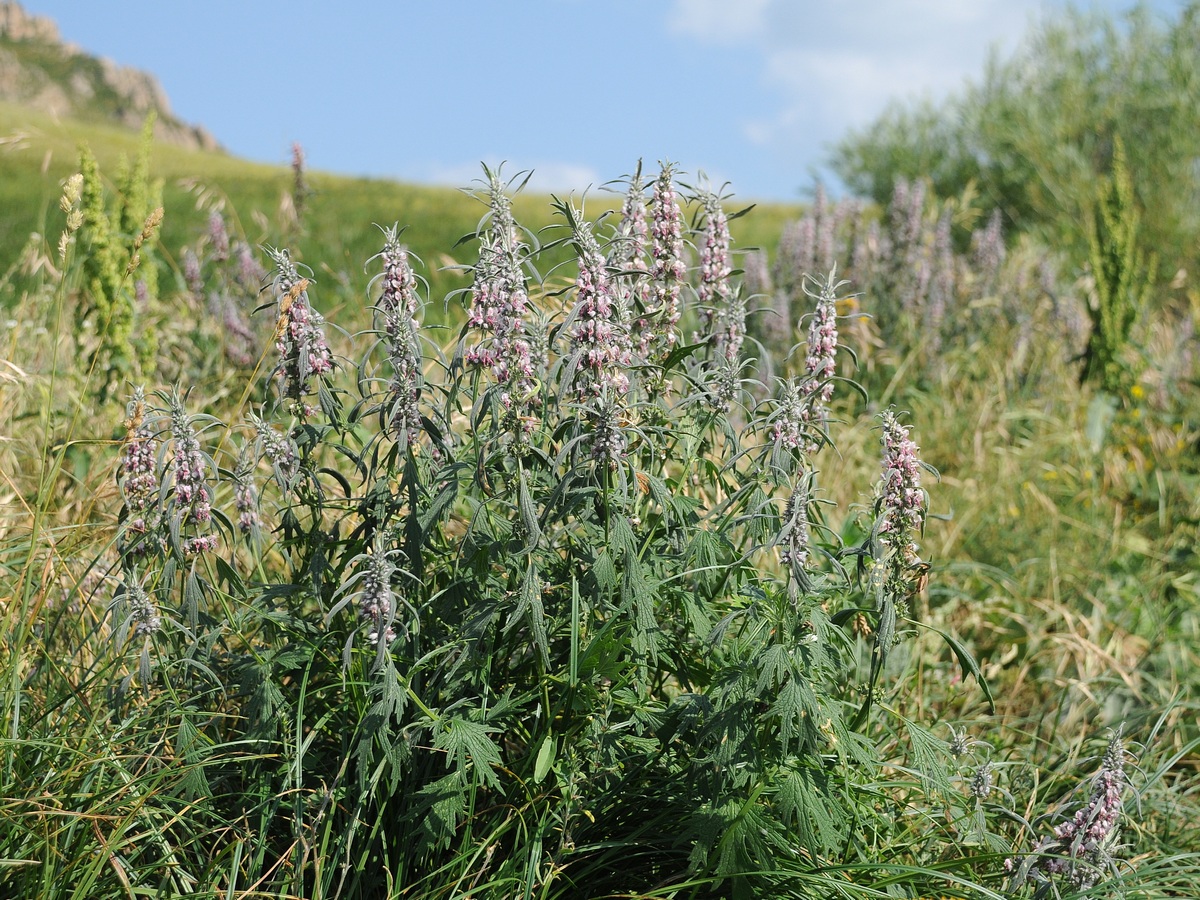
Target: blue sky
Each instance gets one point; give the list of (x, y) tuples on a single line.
[(749, 91)]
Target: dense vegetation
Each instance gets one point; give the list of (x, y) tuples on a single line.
[(622, 560), (337, 231), (1034, 134)]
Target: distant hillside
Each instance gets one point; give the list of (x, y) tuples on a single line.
[(53, 98), (39, 70)]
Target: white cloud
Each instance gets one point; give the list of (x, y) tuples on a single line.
[(718, 21), (837, 65)]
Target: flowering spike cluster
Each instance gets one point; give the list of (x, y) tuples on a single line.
[(299, 335), (375, 600), (758, 273), (239, 336), (865, 251), (139, 471), (249, 272), (820, 363), (794, 536), (797, 253), (724, 387), (725, 311), (499, 304), (500, 206), (626, 258), (901, 499), (910, 265), (659, 329), (191, 273), (907, 212), (714, 254), (300, 188), (788, 426), (279, 451), (628, 248), (982, 782), (599, 339), (1081, 848), (218, 237), (827, 217), (941, 285), (193, 497), (143, 612), (245, 494), (608, 437), (961, 743), (987, 247), (398, 305)]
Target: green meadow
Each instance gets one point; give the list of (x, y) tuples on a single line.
[(367, 540)]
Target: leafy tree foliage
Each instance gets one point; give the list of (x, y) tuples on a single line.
[(1038, 130)]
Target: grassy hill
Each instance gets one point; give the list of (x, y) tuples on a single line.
[(337, 235), (349, 619)]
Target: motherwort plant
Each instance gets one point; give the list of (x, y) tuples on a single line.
[(556, 604)]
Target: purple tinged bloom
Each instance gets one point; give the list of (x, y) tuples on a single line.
[(659, 328), (238, 336), (901, 499), (218, 237), (825, 226), (191, 273), (376, 599), (202, 543), (987, 248), (299, 336), (788, 422), (941, 287), (779, 327), (793, 537), (245, 494), (629, 246), (907, 214), (249, 272), (139, 471), (820, 362), (627, 250), (143, 612), (398, 307), (600, 339), (1081, 848), (300, 188), (714, 289), (866, 252), (910, 268), (279, 451), (797, 255), (192, 506), (245, 499), (758, 273), (499, 306), (725, 307)]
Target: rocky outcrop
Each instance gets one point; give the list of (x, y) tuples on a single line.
[(39, 70), (18, 25)]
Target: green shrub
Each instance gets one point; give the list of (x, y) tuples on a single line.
[(554, 609), (1036, 133), (120, 277), (1123, 280)]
